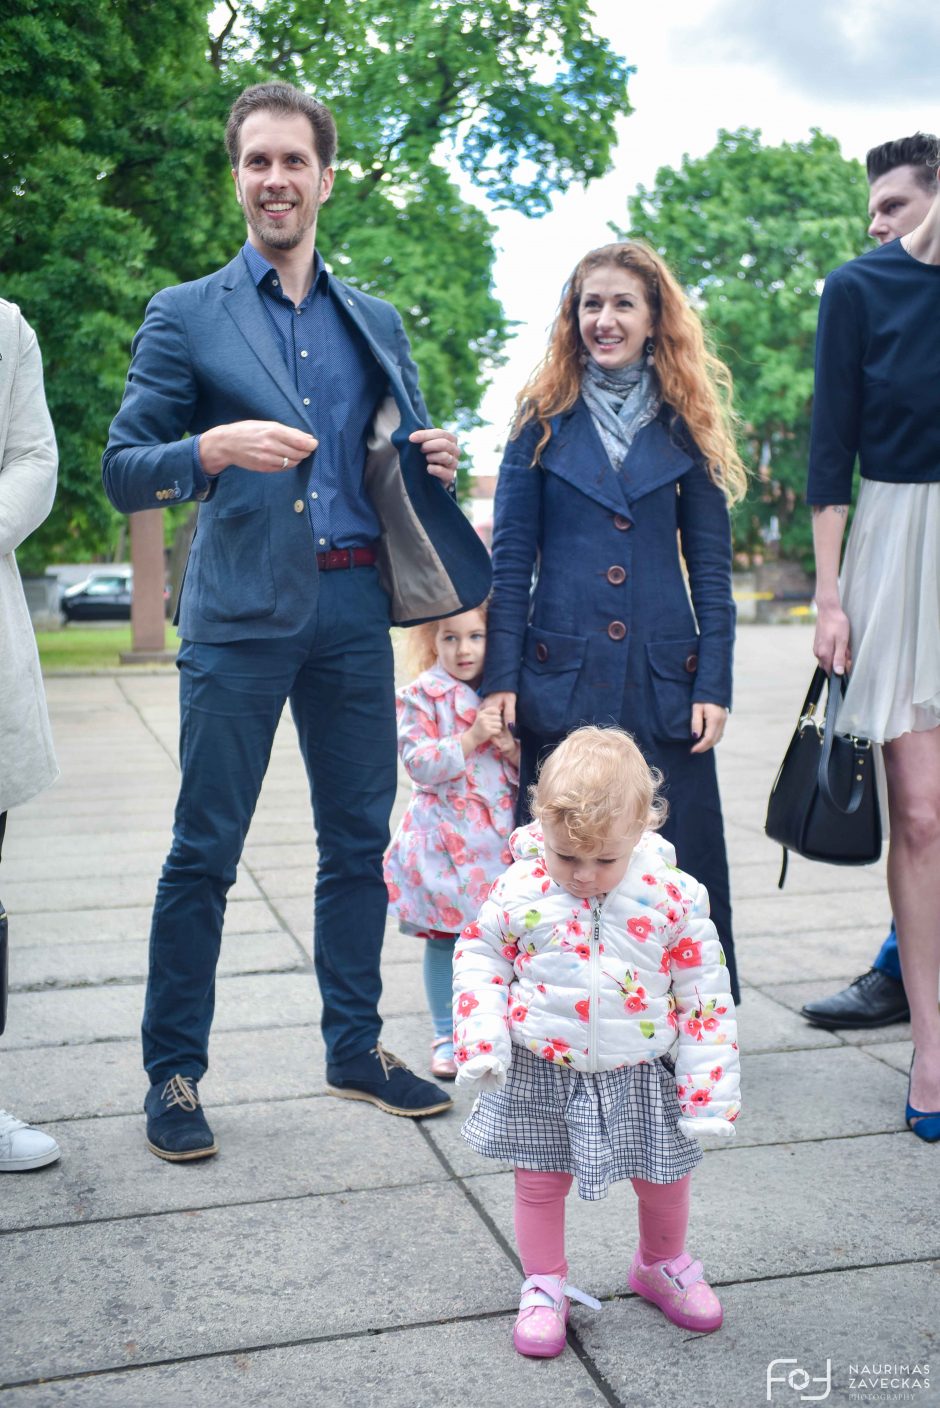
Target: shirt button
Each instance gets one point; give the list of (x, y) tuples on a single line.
[(621, 522), (303, 354), (616, 576), (298, 505), (322, 542), (275, 284), (306, 400), (314, 495), (691, 663), (616, 630), (350, 302), (541, 652), (298, 311)]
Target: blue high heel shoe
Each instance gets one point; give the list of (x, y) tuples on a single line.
[(924, 1123)]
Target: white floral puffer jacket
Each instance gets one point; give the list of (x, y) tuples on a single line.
[(599, 984)]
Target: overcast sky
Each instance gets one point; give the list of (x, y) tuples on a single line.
[(864, 71)]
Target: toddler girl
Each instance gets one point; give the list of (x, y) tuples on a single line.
[(452, 840), (591, 956)]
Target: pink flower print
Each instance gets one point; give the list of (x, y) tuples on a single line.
[(648, 879), (721, 1011), (715, 1073), (574, 927), (505, 856), (461, 1054), (415, 879), (640, 929), (458, 803), (472, 931), (549, 1053), (583, 1008), (672, 1017), (450, 918), (466, 1003), (732, 1115), (673, 915), (686, 954), (538, 870), (700, 1098), (458, 954), (634, 1002), (485, 1047), (560, 1045), (710, 1024), (504, 803), (519, 1013), (694, 1028), (683, 1090), (394, 893), (541, 987), (498, 982), (664, 962), (673, 892), (509, 952), (582, 950)]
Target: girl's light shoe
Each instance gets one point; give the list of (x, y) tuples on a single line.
[(680, 1290), (541, 1325), (443, 1065), (22, 1147)]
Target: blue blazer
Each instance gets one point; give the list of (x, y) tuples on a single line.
[(205, 355), (591, 620)]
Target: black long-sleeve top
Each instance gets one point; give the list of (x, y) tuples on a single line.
[(877, 391)]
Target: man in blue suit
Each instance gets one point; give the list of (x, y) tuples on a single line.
[(287, 404), (902, 184)]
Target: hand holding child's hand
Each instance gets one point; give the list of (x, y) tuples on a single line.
[(484, 1072), (486, 727)]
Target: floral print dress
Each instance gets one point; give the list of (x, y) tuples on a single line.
[(453, 840)]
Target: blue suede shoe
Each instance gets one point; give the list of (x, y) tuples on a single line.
[(924, 1123), (385, 1081), (177, 1129)]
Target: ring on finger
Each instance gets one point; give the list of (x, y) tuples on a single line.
[(285, 462)]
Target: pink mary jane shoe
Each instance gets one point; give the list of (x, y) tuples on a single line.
[(443, 1065), (680, 1290), (542, 1322)]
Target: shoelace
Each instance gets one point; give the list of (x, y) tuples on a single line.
[(180, 1090), (9, 1123), (387, 1060)]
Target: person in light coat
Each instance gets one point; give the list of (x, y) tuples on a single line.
[(592, 1009), (28, 463)]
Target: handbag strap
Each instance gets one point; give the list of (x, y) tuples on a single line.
[(860, 746)]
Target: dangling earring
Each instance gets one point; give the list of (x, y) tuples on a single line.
[(650, 350)]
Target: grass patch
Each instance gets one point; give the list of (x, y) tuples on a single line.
[(87, 648)]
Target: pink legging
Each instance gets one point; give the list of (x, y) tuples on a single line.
[(540, 1219)]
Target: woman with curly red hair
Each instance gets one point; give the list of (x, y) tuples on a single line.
[(611, 595)]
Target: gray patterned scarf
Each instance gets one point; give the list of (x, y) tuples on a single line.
[(621, 401)]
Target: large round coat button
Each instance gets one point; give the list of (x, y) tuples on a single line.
[(298, 505), (691, 663), (616, 575), (616, 630), (541, 651), (621, 522)]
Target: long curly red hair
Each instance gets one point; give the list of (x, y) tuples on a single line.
[(694, 382)]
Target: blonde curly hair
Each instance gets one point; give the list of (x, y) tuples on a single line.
[(597, 779), (694, 382)]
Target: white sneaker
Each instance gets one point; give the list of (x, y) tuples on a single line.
[(23, 1147)]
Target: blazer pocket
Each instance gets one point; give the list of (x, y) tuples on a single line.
[(672, 665), (235, 578), (551, 664)]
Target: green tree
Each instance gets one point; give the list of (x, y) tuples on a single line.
[(114, 181), (751, 231)]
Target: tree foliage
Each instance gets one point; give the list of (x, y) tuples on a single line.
[(751, 231), (114, 180)]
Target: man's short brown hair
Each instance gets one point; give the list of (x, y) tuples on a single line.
[(285, 99)]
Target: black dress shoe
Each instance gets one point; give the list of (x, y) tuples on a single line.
[(873, 1000)]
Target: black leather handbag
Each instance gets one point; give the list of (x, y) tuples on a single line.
[(824, 802)]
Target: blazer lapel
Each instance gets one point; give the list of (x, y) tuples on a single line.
[(654, 459), (351, 308), (242, 302), (576, 454)]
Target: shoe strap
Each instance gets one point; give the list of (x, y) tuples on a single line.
[(683, 1271), (551, 1291), (441, 1041)]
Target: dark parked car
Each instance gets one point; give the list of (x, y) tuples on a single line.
[(105, 595)]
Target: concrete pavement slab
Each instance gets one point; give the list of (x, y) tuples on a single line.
[(789, 953), (783, 1209), (850, 1319), (83, 965), (227, 1279), (764, 1024), (91, 891), (130, 922), (275, 1150), (453, 1365)]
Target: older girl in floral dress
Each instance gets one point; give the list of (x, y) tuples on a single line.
[(452, 841)]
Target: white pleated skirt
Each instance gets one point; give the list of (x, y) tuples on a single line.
[(890, 589)]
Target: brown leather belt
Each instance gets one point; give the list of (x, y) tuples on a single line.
[(338, 558)]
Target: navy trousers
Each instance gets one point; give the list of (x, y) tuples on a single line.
[(338, 675)]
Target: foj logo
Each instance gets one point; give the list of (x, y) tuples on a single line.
[(798, 1380)]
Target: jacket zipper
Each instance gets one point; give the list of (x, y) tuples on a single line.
[(595, 985)]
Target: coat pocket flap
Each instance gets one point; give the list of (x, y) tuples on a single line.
[(547, 652), (673, 659)]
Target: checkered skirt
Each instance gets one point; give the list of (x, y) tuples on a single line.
[(601, 1128)]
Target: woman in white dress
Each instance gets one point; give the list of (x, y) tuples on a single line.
[(877, 380)]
